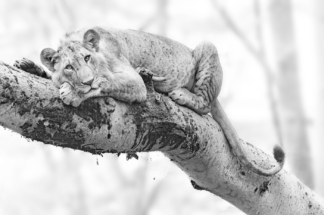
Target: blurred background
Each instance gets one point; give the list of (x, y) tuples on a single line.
[(271, 52)]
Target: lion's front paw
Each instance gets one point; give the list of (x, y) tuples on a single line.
[(69, 96), (30, 67), (179, 96)]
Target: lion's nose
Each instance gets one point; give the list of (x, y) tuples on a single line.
[(88, 82)]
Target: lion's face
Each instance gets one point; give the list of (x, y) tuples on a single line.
[(77, 63), (77, 66)]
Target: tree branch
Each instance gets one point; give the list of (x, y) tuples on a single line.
[(30, 106)]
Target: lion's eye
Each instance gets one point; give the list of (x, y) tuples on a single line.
[(69, 67), (87, 58)]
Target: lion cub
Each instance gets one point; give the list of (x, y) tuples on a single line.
[(105, 62)]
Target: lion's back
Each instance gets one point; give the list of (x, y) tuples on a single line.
[(163, 56)]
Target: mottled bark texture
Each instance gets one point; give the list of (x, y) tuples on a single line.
[(30, 106)]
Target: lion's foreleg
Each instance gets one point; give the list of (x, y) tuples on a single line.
[(126, 86)]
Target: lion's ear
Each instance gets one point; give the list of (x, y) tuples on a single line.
[(46, 57), (91, 38)]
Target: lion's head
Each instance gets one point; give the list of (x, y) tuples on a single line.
[(86, 65), (77, 62)]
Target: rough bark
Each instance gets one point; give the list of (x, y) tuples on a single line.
[(30, 106)]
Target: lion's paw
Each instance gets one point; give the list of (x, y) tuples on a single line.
[(30, 67), (69, 96), (179, 96)]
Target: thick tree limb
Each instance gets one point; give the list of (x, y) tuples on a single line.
[(30, 106)]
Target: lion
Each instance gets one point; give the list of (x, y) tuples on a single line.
[(95, 62)]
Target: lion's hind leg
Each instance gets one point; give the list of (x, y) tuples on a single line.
[(207, 83)]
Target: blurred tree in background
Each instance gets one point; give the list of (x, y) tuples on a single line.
[(319, 147), (251, 38)]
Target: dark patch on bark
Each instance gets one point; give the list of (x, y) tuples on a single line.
[(26, 126), (8, 90), (53, 134), (169, 135), (59, 128), (196, 186), (109, 125), (90, 110), (112, 151), (131, 155), (16, 79), (193, 145), (256, 189), (3, 101), (264, 187)]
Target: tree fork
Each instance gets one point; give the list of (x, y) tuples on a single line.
[(30, 106)]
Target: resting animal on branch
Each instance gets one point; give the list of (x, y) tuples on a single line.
[(101, 62)]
